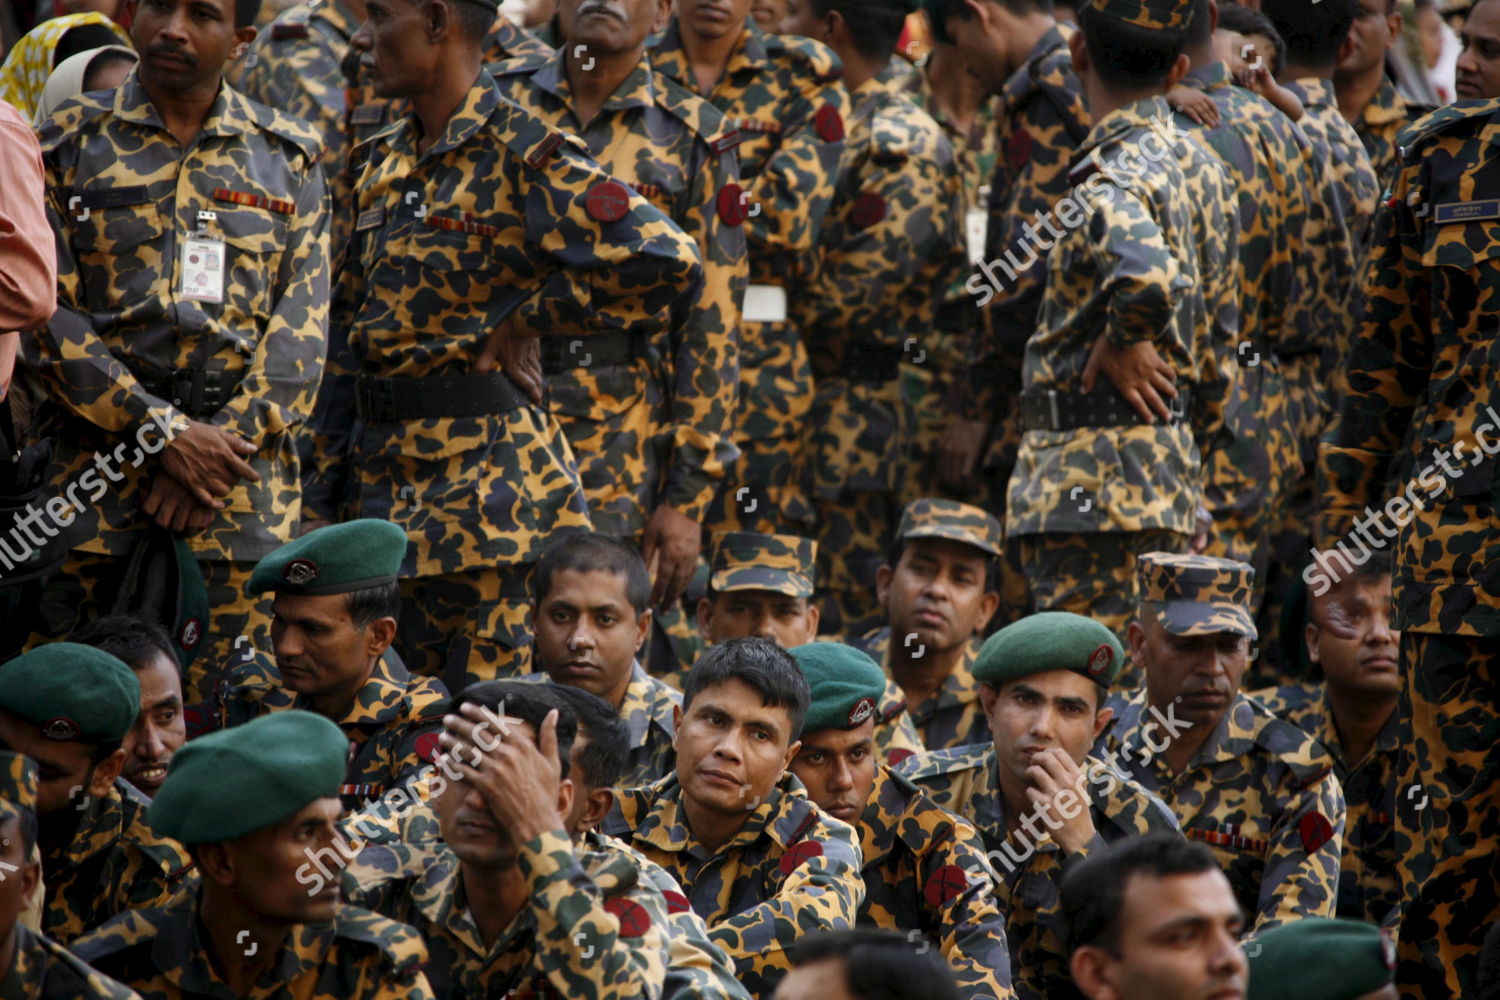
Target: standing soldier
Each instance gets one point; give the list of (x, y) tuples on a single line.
[(479, 229), (1367, 98), (192, 234), (649, 411), (783, 95)]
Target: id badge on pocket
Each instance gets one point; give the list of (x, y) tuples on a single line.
[(976, 223), (202, 269)]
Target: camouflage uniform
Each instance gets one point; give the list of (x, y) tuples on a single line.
[(951, 718), (891, 243), (127, 356), (1151, 259), (162, 953), (111, 864), (925, 870), (646, 711), (966, 782), (1341, 147), (1417, 377), (44, 970), (477, 475), (592, 928), (790, 870), (1379, 124), (782, 93), (1368, 887), (655, 428)]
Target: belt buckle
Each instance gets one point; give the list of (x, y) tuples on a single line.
[(1052, 410), (1177, 407)]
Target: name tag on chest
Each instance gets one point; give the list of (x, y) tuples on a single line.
[(1467, 211)]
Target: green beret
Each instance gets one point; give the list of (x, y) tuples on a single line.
[(72, 692), (18, 780), (1051, 640), (334, 559), (1320, 958), (232, 783), (845, 685)]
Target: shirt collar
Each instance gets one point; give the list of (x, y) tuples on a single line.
[(382, 699), (183, 958), (636, 91), (1385, 106), (643, 704), (337, 15), (1022, 81), (227, 116), (665, 826), (1210, 76), (478, 105), (1314, 91)]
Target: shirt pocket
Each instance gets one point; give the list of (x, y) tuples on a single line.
[(254, 241), (121, 254)]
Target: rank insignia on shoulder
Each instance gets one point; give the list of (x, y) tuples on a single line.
[(372, 113), (726, 142), (544, 150)]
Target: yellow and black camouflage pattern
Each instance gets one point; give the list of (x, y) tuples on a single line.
[(1197, 595), (1379, 125), (42, 969), (896, 737), (1331, 134), (934, 517), (646, 711), (953, 717), (18, 784), (747, 560), (1156, 15)]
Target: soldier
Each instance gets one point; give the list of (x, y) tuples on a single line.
[(251, 803), (1043, 681), (1352, 713), (1366, 97), (783, 95), (333, 620), (924, 870), (648, 410), (890, 246), (160, 727), (35, 966), (69, 708), (1414, 392), (938, 589), (1322, 959), (1154, 919), (470, 207), (592, 615), (1257, 790), (190, 332), (758, 861), (762, 585)]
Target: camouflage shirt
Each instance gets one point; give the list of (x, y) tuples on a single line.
[(112, 863), (1369, 889), (123, 197), (646, 711), (674, 149), (966, 782), (790, 870), (163, 954), (1379, 124), (925, 870), (1339, 146), (488, 226), (1261, 794), (42, 969), (954, 716), (592, 926)]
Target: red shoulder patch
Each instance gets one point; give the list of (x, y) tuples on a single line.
[(280, 31), (607, 201), (899, 754), (732, 208), (944, 884), (428, 747), (829, 124), (676, 902), (633, 918), (1315, 830), (798, 853), (868, 209), (1018, 149)]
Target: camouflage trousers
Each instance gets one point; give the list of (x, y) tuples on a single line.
[(1447, 810), (1094, 574), (467, 627), (238, 624)]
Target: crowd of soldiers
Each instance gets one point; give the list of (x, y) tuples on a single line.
[(792, 500)]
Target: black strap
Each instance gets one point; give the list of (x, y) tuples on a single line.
[(1067, 411), (600, 350), (200, 394), (429, 397)]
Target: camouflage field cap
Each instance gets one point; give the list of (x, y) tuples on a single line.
[(746, 560), (334, 559), (1159, 15), (1197, 595), (17, 785), (931, 517)]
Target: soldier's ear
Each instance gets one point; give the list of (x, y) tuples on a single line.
[(1090, 966), (883, 583), (215, 863), (705, 615), (791, 755), (379, 635), (1079, 50), (1135, 638), (1310, 636), (242, 39), (1179, 70), (988, 605), (102, 777), (663, 15), (565, 792), (601, 801), (643, 628)]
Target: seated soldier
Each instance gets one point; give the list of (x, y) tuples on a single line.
[(1352, 713), (32, 965), (591, 616), (69, 708), (160, 728), (251, 803), (865, 964), (762, 585), (1039, 802), (758, 861), (939, 591), (506, 903), (333, 621), (924, 869), (1256, 789), (1322, 959)]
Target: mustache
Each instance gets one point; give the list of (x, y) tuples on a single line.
[(164, 49)]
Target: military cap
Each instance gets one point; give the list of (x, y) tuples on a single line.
[(931, 517), (334, 559), (1197, 595), (72, 692), (18, 779), (234, 782), (1051, 640), (1158, 15), (745, 560), (1320, 958), (845, 685), (163, 583)]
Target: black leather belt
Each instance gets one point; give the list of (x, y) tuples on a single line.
[(199, 394), (600, 350), (434, 396), (1067, 411)]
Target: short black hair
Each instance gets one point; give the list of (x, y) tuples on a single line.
[(1128, 55), (938, 12), (881, 964), (1093, 891), (246, 12), (607, 742), (875, 26), (1198, 31), (370, 604), (103, 61), (1312, 32), (991, 563), (82, 38), (758, 662), (527, 701), (1244, 20), (474, 19), (127, 638), (591, 552)]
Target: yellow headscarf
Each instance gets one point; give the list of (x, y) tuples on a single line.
[(25, 72)]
